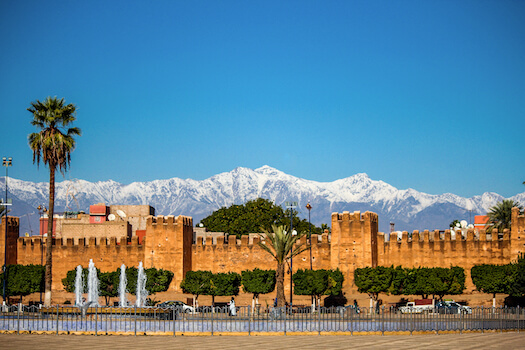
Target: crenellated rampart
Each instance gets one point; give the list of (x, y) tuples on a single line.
[(354, 242), (107, 254), (237, 255), (435, 249)]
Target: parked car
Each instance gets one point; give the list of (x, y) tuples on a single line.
[(417, 307), (451, 307), (178, 304)]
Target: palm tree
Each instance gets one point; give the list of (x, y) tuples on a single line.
[(53, 145), (500, 215), (280, 245)]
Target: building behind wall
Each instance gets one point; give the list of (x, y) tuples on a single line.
[(102, 221)]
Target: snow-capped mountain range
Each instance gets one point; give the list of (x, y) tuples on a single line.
[(408, 209)]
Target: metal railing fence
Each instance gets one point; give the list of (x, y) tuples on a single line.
[(151, 320)]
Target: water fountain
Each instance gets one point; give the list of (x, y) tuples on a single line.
[(141, 292), (122, 286), (92, 284), (79, 286)]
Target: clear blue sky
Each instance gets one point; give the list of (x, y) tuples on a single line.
[(427, 95)]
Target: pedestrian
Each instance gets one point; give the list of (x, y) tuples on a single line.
[(233, 311), (378, 305)]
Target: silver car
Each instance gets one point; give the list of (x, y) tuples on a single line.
[(178, 304)]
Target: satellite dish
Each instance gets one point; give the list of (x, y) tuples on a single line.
[(121, 213), (111, 217)]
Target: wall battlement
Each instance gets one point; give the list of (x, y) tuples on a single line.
[(84, 242), (436, 236), (246, 241), (169, 220)]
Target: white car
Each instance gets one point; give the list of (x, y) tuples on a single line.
[(179, 304)]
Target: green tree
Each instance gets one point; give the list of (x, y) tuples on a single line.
[(517, 271), (53, 145), (69, 281), (492, 279), (425, 281), (224, 284), (157, 280), (251, 217), (196, 283), (500, 215), (108, 285), (257, 282), (373, 280), (281, 245), (318, 283), (23, 280), (399, 278)]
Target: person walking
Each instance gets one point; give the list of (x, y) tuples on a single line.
[(233, 311)]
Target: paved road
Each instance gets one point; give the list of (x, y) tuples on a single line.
[(509, 340)]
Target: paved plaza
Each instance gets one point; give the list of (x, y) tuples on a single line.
[(507, 340)]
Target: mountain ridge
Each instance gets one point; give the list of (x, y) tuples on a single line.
[(409, 209)]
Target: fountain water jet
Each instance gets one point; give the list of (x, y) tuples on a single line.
[(122, 286), (79, 286), (142, 293), (92, 284)]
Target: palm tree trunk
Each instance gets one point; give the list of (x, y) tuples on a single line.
[(279, 276), (49, 240)]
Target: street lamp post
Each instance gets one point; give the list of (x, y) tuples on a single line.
[(7, 162), (291, 205)]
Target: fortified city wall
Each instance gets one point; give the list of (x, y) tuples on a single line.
[(355, 242)]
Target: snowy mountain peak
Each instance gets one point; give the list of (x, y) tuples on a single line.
[(408, 209)]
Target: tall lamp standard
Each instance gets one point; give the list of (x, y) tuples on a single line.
[(309, 207), (7, 162), (291, 205)]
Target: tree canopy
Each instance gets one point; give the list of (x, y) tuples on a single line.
[(258, 281), (224, 284), (252, 217), (500, 215), (373, 280), (422, 281), (23, 280), (318, 282), (197, 283)]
